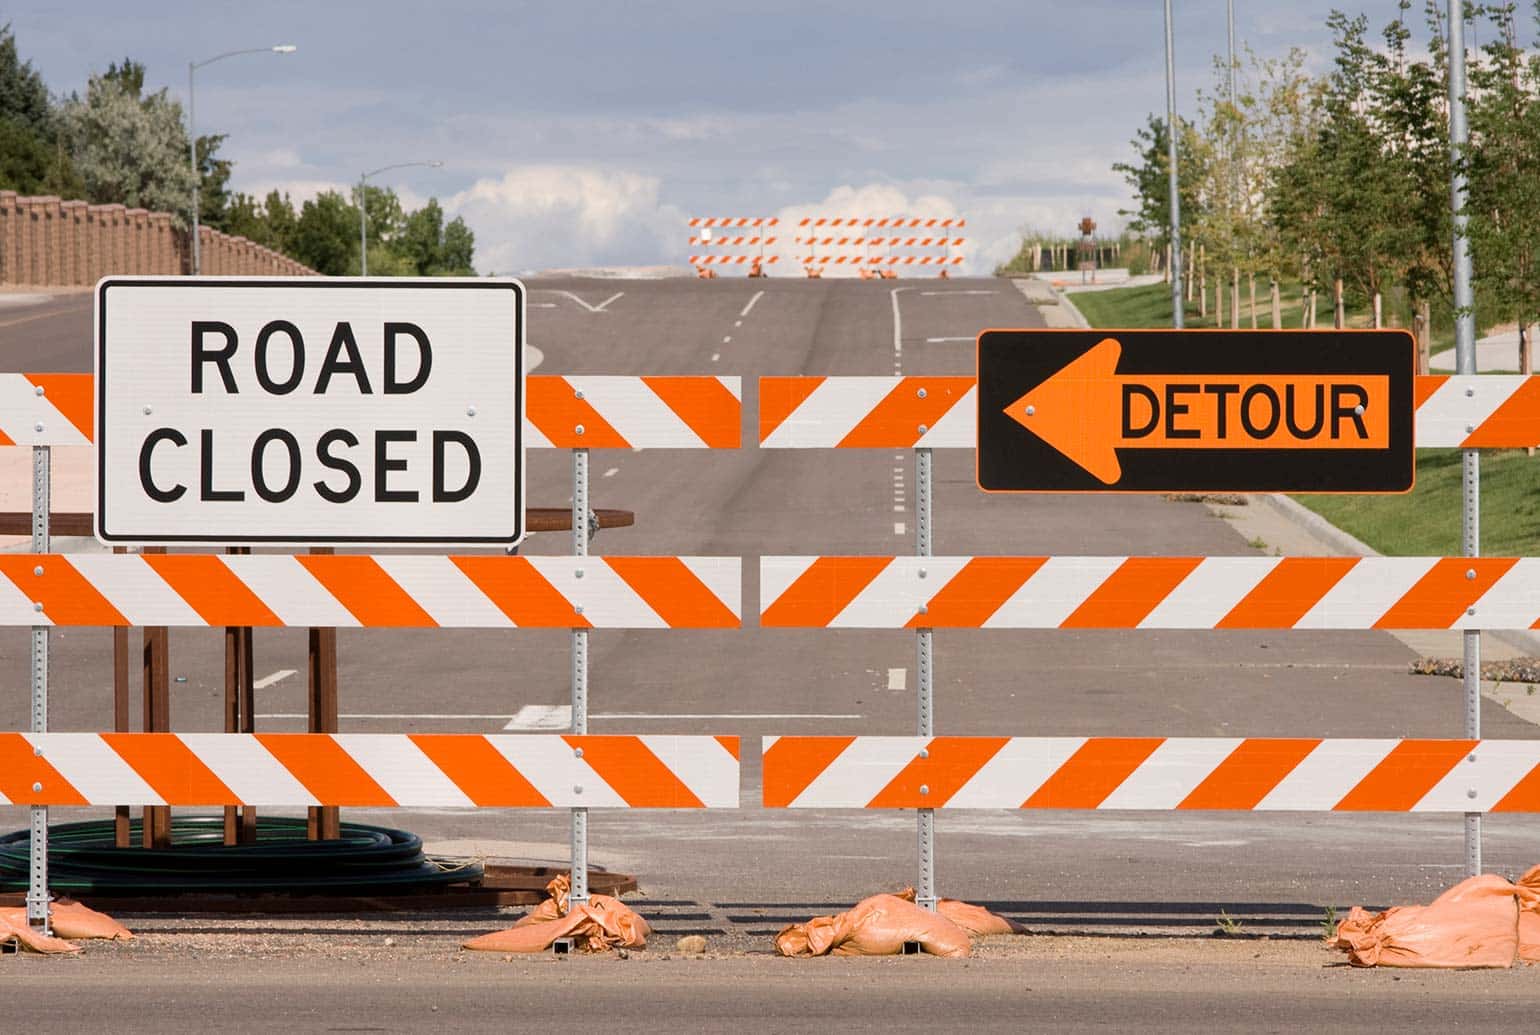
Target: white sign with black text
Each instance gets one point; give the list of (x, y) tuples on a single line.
[(309, 411)]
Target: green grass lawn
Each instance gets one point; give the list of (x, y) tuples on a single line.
[(1426, 521), (1423, 522)]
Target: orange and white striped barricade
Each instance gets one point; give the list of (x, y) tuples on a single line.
[(925, 592), (733, 232), (873, 254), (373, 770), (576, 593), (1152, 773), (1150, 592)]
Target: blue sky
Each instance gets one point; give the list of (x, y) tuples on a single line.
[(585, 133)]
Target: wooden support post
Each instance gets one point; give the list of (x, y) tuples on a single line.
[(1277, 300), (324, 821), (1252, 281), (1235, 298), (157, 717), (122, 814), (1339, 311)]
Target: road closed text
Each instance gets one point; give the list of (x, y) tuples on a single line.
[(387, 465), (310, 411)]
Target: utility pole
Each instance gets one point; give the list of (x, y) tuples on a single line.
[(1175, 199)]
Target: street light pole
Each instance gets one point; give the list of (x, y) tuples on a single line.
[(192, 130), (1175, 194), (363, 208)]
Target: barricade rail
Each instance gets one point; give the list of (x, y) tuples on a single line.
[(370, 770)]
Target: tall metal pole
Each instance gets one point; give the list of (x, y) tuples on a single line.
[(1230, 26), (1175, 199), (192, 152), (578, 893), (1465, 363), (37, 888), (925, 886)]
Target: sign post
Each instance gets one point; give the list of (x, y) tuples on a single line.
[(309, 412), (1171, 411)]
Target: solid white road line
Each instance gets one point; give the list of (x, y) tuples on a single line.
[(970, 292), (591, 308), (933, 340), (542, 717), (721, 715), (898, 678), (276, 677), (744, 314)]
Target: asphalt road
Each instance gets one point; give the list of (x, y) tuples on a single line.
[(1079, 867)]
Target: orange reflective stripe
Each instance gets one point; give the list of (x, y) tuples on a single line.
[(1441, 596), (328, 772), (1131, 592), (6, 440), (729, 744), (634, 772), (1093, 772), (674, 591), (521, 592), (21, 768), (779, 397), (66, 596), (1525, 795), (896, 420), (976, 592), (1515, 423), (370, 595), (951, 762), (1287, 593), (479, 770), (1425, 385), (821, 592), (171, 768), (73, 395), (1405, 776), (705, 404), (211, 589), (792, 763), (1246, 776), (551, 404)]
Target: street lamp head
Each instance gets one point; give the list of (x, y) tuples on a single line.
[(285, 48)]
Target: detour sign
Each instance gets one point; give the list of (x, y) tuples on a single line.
[(1163, 411)]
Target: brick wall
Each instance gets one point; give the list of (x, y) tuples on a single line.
[(48, 242)]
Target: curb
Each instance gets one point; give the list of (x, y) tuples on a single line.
[(1074, 312)]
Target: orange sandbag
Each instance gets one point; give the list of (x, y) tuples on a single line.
[(15, 930), (1529, 915), (601, 924), (71, 919), (877, 926), (976, 920), (1473, 924)]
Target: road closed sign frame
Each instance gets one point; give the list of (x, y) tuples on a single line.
[(309, 411), (1196, 411)]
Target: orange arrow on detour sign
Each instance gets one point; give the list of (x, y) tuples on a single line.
[(1245, 416), (1087, 411)]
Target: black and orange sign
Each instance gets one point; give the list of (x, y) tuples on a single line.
[(1207, 411)]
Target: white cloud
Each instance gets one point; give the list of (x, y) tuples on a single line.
[(569, 215)]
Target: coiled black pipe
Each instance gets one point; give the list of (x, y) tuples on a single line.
[(83, 858)]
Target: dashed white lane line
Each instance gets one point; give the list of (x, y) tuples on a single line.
[(726, 339), (932, 340), (542, 305), (269, 680), (745, 312), (715, 356), (898, 678), (737, 323), (898, 528), (612, 472)]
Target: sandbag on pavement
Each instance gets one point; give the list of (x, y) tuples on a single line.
[(79, 922), (1473, 924), (974, 919), (14, 930), (603, 923), (1529, 915), (876, 926)]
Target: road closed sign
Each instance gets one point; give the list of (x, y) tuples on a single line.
[(309, 411), (1168, 411)]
